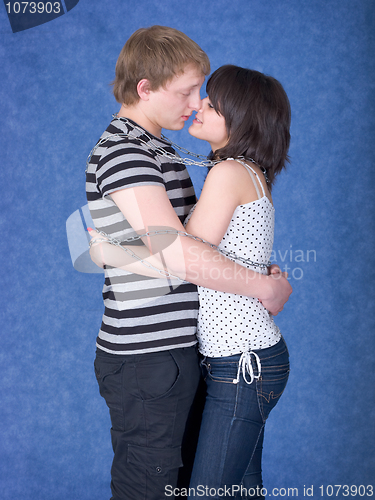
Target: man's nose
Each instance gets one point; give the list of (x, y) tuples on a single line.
[(195, 102)]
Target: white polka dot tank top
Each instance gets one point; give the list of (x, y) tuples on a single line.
[(231, 324)]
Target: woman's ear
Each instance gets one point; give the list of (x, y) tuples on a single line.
[(143, 89)]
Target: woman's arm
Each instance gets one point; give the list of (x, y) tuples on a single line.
[(227, 185)]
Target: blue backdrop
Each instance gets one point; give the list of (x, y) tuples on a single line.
[(55, 102)]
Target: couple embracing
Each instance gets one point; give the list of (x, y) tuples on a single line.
[(167, 294)]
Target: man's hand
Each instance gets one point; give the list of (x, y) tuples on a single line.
[(96, 251), (274, 269)]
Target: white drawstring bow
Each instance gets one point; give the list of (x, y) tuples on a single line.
[(245, 365)]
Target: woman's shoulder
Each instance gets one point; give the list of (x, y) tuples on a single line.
[(227, 169), (235, 172), (241, 176)]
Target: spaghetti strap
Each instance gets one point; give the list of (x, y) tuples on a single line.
[(249, 168)]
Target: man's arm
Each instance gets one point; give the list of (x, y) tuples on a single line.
[(147, 207)]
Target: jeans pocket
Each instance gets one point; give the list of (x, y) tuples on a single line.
[(221, 371), (270, 387)]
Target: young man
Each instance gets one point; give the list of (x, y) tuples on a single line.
[(146, 363)]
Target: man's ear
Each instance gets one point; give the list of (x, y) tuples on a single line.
[(143, 89)]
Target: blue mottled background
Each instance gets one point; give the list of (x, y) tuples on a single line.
[(55, 101)]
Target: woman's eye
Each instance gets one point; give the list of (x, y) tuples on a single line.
[(210, 105)]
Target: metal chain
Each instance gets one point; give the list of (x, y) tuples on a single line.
[(118, 243), (159, 151), (151, 146), (226, 253)]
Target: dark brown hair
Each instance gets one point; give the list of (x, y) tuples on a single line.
[(257, 117), (157, 54)]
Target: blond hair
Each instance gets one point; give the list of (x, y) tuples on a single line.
[(157, 54)]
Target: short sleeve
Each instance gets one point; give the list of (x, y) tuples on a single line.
[(126, 164)]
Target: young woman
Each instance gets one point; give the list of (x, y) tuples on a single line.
[(245, 119)]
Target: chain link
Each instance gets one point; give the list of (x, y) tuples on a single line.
[(118, 243), (151, 146), (158, 150), (131, 239)]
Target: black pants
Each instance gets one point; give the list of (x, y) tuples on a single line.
[(149, 397)]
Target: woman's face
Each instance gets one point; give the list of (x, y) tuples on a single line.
[(208, 125)]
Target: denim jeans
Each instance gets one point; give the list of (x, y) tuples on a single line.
[(149, 397), (229, 451)]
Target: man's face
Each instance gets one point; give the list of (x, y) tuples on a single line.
[(171, 107)]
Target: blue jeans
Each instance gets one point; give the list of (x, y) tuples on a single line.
[(149, 398), (229, 451)]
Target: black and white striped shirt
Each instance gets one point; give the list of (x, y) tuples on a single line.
[(142, 314)]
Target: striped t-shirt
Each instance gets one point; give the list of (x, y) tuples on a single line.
[(142, 314)]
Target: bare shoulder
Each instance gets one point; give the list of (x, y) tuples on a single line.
[(227, 171), (235, 176), (227, 166)]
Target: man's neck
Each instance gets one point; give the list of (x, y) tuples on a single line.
[(136, 114)]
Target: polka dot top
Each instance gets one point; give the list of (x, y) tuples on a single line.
[(231, 324)]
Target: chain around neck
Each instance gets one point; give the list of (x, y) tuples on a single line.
[(160, 151)]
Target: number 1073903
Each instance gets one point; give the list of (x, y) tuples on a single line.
[(344, 490), (33, 7)]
